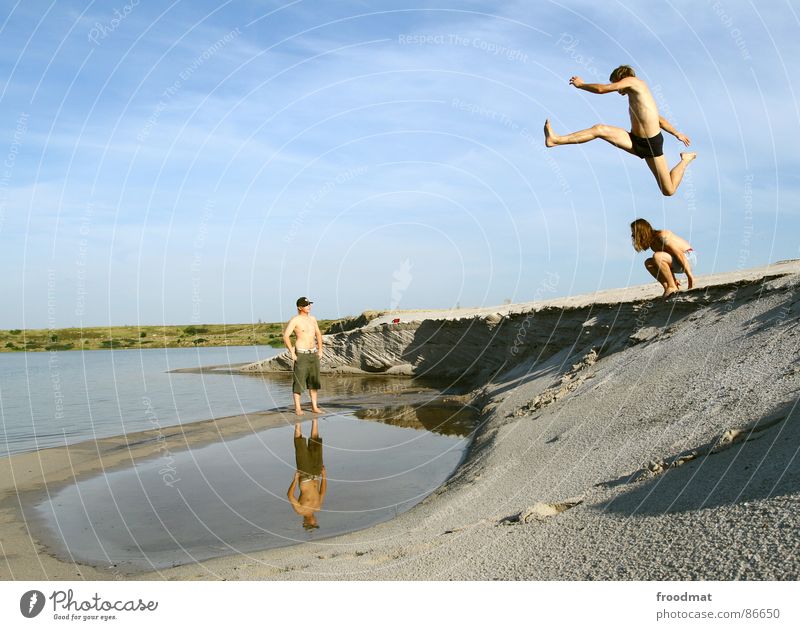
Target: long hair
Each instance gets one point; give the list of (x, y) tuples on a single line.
[(620, 73), (642, 234)]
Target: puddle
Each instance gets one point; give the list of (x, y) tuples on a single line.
[(231, 497)]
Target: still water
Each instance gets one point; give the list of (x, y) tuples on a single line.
[(232, 497), (57, 398)]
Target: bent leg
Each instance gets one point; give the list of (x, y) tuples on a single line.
[(614, 135), (663, 263), (652, 267), (668, 181)]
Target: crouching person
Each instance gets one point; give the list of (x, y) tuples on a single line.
[(671, 255)]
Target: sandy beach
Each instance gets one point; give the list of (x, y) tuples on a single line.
[(621, 437)]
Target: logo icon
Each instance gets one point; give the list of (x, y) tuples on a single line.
[(31, 603)]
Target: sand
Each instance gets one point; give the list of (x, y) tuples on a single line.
[(661, 444)]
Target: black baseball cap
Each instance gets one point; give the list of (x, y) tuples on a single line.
[(304, 301)]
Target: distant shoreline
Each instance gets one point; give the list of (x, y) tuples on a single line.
[(138, 337)]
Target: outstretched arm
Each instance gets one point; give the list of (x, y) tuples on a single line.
[(601, 88), (667, 126)]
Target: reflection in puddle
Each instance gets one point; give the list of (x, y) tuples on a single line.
[(231, 497), (455, 420), (310, 477)]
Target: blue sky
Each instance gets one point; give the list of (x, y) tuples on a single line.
[(192, 162)]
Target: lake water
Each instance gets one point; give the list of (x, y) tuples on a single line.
[(57, 398)]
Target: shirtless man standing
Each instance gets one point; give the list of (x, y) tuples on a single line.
[(671, 254), (305, 354), (644, 140)]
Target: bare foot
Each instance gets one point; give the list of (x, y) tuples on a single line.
[(670, 291), (299, 412), (548, 134), (688, 157), (317, 410)]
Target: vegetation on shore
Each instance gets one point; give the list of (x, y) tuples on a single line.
[(119, 337)]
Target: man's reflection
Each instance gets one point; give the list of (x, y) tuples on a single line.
[(310, 476)]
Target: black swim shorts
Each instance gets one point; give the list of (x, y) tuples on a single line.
[(647, 147)]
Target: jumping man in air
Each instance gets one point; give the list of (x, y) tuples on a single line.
[(644, 139)]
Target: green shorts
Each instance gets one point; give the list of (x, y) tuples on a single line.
[(308, 457), (306, 372)]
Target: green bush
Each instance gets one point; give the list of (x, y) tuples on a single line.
[(59, 346), (192, 330)]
